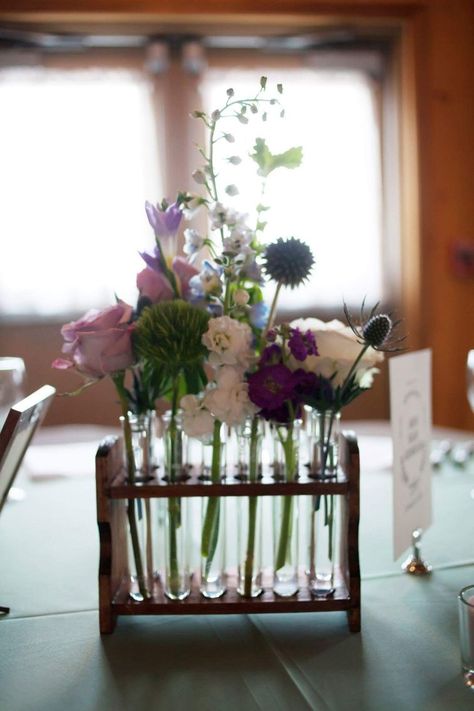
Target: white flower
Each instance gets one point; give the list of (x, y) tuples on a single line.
[(241, 297), (197, 420), (338, 349), (193, 241), (229, 401), (222, 216), (228, 341)]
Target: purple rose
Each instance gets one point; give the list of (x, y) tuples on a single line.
[(302, 344), (99, 343)]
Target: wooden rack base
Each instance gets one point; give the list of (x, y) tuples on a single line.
[(115, 584)]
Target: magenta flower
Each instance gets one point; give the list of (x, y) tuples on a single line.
[(271, 355), (302, 344), (271, 386), (99, 343)]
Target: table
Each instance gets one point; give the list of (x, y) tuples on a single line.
[(407, 656)]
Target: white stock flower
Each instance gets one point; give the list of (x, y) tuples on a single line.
[(228, 341), (197, 420), (338, 349), (229, 401)]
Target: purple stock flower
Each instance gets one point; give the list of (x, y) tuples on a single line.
[(302, 344), (271, 386), (271, 355)]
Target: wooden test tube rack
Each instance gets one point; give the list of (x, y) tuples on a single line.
[(113, 493)]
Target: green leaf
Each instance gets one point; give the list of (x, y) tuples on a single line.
[(268, 162)]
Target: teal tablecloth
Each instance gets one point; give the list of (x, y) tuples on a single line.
[(52, 657)]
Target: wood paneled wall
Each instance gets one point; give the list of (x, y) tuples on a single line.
[(437, 66)]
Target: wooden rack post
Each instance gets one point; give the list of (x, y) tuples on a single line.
[(113, 492)]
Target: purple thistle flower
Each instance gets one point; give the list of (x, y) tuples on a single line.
[(302, 344)]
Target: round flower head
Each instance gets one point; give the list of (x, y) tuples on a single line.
[(288, 262), (376, 331)]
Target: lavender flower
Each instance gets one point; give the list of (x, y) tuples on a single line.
[(165, 221)]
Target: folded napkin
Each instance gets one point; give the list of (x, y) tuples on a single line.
[(64, 451)]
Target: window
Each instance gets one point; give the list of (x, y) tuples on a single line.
[(78, 162), (83, 148), (333, 201)]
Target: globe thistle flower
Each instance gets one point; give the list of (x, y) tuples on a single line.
[(288, 262), (376, 330)]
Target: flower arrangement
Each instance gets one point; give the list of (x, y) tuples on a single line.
[(202, 339)]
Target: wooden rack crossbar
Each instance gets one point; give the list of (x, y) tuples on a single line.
[(115, 584)]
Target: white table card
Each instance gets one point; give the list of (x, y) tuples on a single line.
[(410, 410)]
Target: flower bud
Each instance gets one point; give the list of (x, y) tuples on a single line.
[(199, 177), (232, 190), (241, 297)]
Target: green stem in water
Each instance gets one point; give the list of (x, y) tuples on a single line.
[(287, 503), (132, 521), (212, 504), (174, 503), (252, 517)]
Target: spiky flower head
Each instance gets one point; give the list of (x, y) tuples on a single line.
[(169, 335), (288, 261), (376, 330)]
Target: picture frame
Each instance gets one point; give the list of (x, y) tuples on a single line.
[(20, 425)]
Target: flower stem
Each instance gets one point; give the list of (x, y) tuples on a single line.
[(287, 501), (174, 503), (271, 317), (213, 502), (132, 521), (252, 515)]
